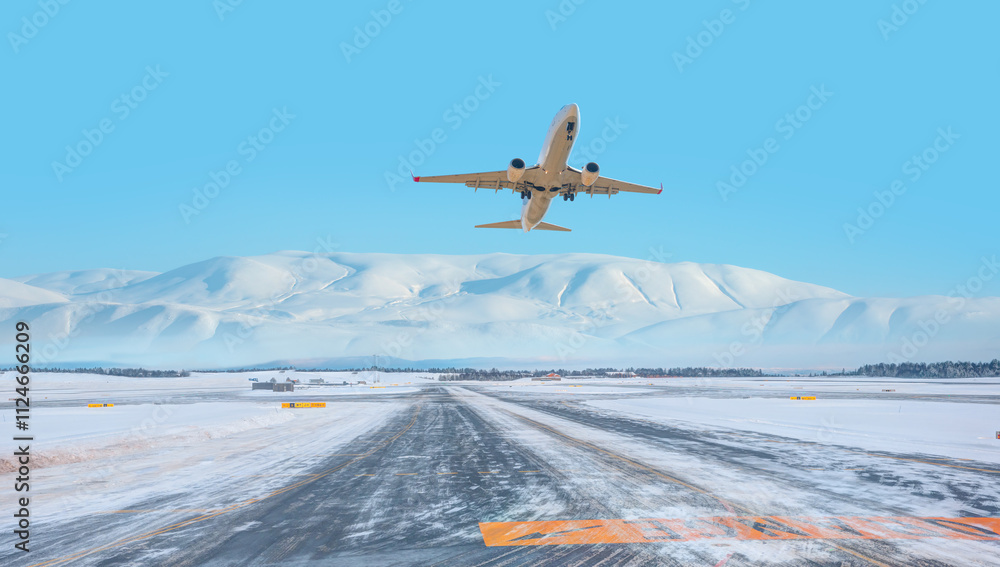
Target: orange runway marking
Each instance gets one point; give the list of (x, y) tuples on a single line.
[(756, 528), (447, 473)]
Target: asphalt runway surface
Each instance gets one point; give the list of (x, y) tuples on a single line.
[(462, 466)]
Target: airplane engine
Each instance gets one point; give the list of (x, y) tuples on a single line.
[(590, 173), (515, 170)]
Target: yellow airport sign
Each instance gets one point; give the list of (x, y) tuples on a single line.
[(100, 405), (803, 398), (291, 405)]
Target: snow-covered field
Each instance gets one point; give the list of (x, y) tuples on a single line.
[(174, 448), (958, 430)]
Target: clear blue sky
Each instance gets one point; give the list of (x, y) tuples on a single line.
[(217, 81)]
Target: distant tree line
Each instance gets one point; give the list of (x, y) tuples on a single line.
[(452, 374), (946, 369), (474, 374), (129, 372), (255, 369)]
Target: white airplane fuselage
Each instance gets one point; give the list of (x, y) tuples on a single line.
[(552, 163), (542, 182)]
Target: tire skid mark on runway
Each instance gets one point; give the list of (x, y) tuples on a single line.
[(237, 506), (991, 471), (927, 461), (631, 462), (662, 431)]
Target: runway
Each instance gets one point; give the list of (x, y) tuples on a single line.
[(544, 480)]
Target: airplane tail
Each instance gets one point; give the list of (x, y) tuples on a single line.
[(505, 224), (547, 226), (517, 224)]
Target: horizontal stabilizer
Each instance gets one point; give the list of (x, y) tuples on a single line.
[(517, 224), (505, 224), (547, 226)]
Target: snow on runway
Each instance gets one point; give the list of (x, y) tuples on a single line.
[(616, 472)]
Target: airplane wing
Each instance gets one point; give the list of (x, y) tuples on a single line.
[(495, 180), (608, 186)]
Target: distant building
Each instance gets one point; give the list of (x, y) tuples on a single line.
[(284, 386), (316, 381), (262, 386)]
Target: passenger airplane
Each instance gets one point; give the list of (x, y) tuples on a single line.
[(540, 183)]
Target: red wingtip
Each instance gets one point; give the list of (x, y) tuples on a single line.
[(415, 178), (661, 189)]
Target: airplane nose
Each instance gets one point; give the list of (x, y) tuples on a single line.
[(572, 110)]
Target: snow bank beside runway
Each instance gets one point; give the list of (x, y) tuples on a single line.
[(957, 430), (192, 455), (74, 434)]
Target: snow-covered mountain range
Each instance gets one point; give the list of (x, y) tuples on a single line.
[(570, 310)]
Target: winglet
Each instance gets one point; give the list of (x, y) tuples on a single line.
[(661, 187), (415, 178)]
